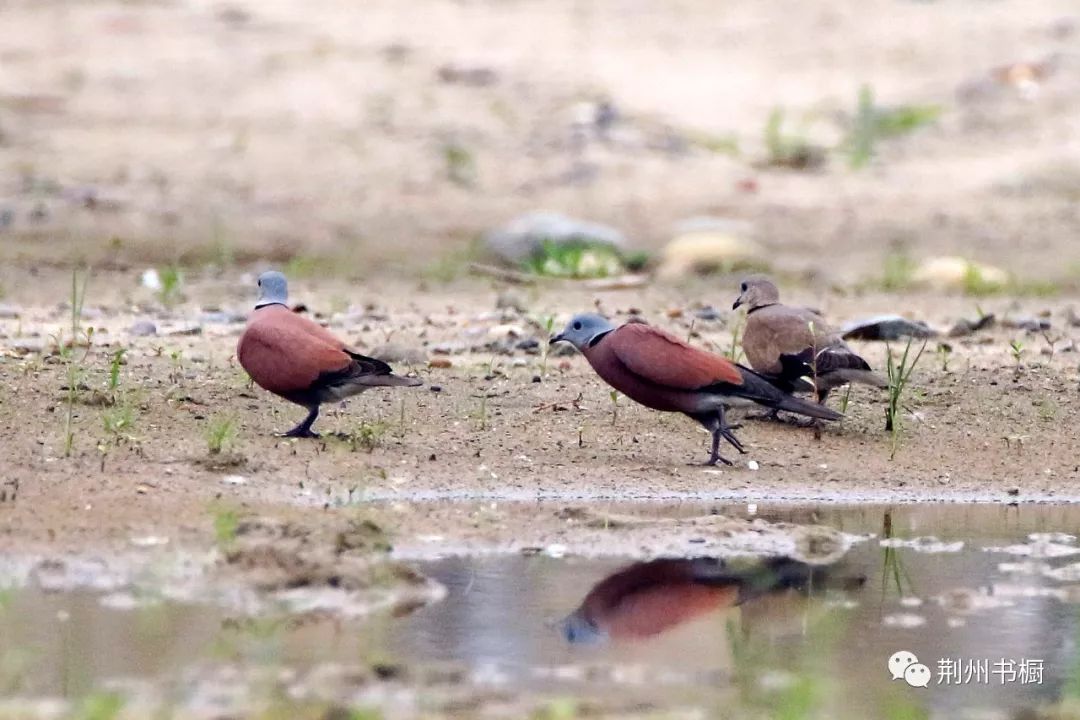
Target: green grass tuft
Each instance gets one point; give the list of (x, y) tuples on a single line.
[(221, 434), (787, 149), (899, 375), (367, 436), (898, 270), (872, 123), (172, 281), (575, 260)]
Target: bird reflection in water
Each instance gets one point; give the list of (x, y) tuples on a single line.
[(646, 599)]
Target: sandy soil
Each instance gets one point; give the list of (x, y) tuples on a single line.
[(985, 429), (234, 131)]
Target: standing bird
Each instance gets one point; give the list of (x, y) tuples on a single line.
[(661, 372), (299, 360), (789, 344)]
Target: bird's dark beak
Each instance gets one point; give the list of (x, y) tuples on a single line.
[(736, 304), (556, 338)]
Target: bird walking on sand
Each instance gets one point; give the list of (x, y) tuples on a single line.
[(302, 362), (659, 371), (787, 345)]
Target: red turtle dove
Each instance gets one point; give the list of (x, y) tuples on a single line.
[(302, 362), (661, 372)]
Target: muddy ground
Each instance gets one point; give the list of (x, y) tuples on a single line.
[(986, 428)]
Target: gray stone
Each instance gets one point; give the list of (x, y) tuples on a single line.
[(189, 329), (27, 344), (1031, 324), (965, 327), (886, 327), (448, 348), (9, 312), (143, 328), (528, 345), (525, 235), (471, 75), (508, 300)]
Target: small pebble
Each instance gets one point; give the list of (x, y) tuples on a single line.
[(555, 550), (186, 330), (151, 280), (143, 328), (509, 300), (27, 345), (753, 465)]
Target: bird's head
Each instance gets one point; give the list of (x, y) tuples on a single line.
[(583, 330), (756, 291), (273, 289), (577, 629)]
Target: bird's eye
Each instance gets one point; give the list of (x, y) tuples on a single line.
[(743, 287), (259, 283), (577, 326)]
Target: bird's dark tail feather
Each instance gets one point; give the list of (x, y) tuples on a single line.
[(802, 407), (760, 390)]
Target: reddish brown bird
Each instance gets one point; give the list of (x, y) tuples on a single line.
[(661, 372), (649, 598), (299, 360)]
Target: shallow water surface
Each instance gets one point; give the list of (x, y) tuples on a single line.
[(983, 596)]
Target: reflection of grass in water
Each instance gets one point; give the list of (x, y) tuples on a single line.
[(892, 568), (15, 662), (1070, 691), (251, 638), (805, 690), (558, 709), (803, 693), (898, 708), (99, 706)]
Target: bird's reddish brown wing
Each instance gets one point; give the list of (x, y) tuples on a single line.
[(653, 610), (283, 315), (663, 359), (283, 356)]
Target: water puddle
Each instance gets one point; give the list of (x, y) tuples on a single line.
[(977, 603)]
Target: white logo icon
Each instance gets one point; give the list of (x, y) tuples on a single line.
[(917, 675), (899, 662)]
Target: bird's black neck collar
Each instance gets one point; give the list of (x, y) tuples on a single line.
[(597, 338), (759, 307), (268, 303)]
